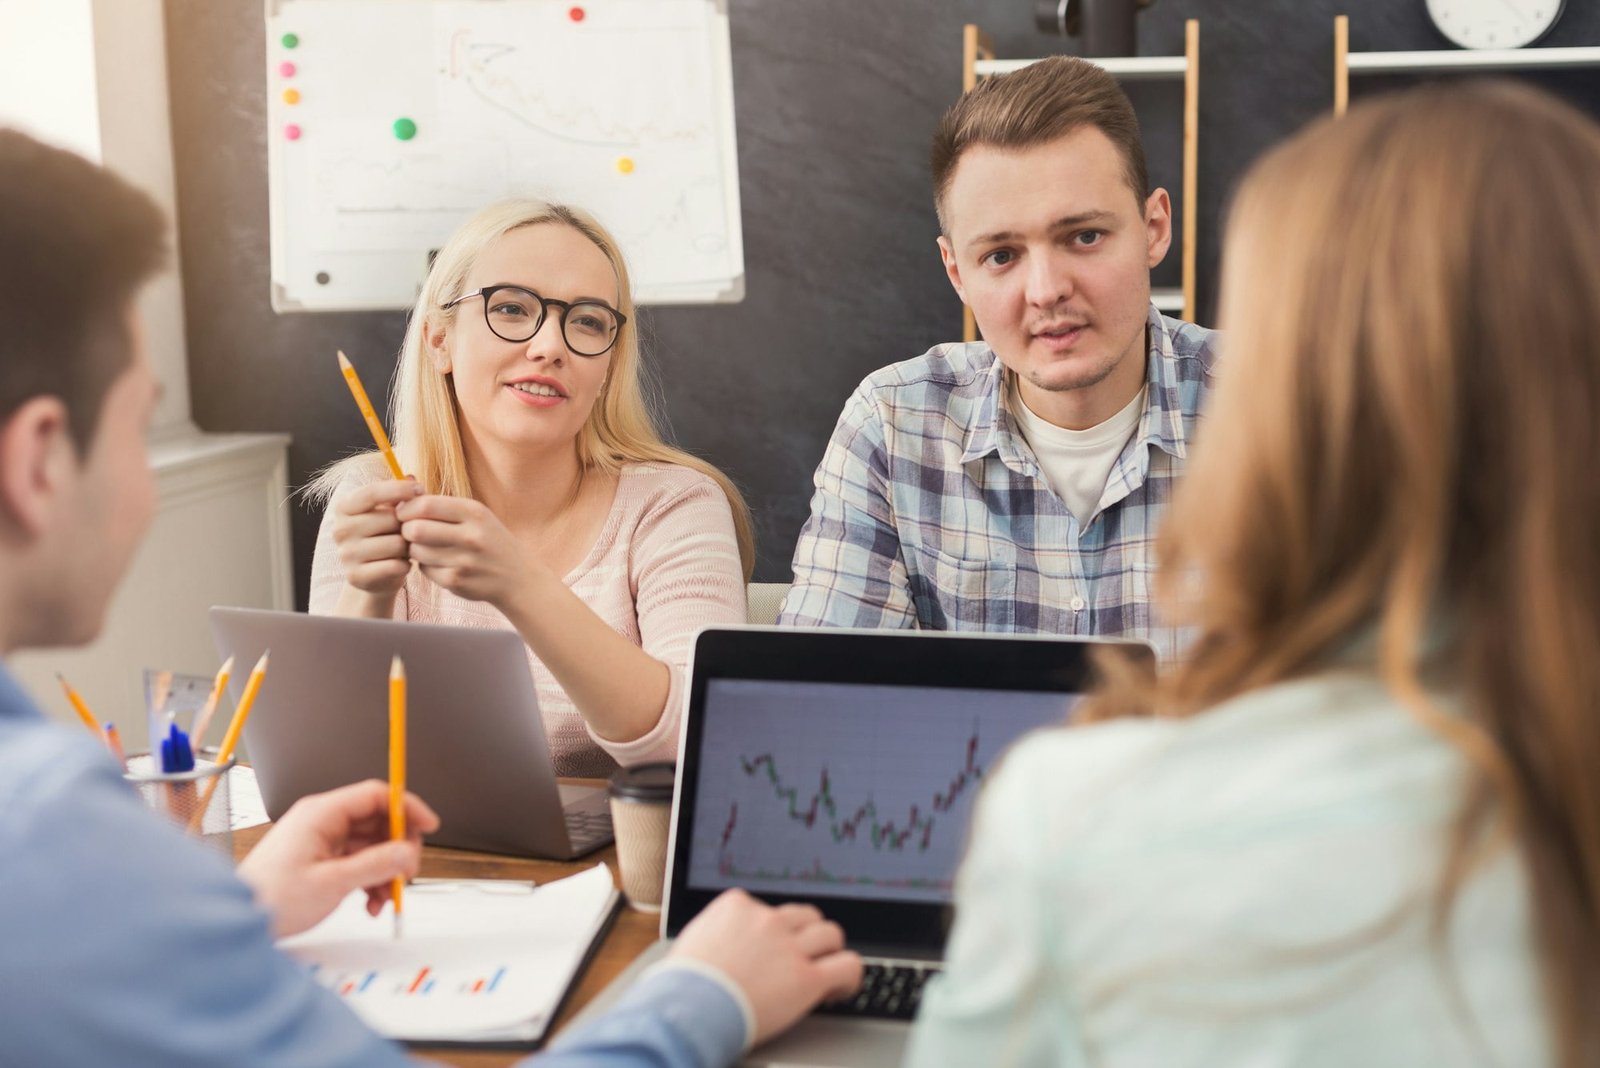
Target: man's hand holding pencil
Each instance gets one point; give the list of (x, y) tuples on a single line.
[(329, 844)]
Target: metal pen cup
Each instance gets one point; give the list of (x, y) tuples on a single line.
[(200, 800)]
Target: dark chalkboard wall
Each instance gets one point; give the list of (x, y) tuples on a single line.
[(835, 101)]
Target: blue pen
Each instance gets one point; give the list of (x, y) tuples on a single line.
[(177, 755)]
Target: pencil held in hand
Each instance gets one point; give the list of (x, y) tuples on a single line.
[(397, 769), (360, 394)]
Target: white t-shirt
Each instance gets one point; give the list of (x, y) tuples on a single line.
[(1077, 463)]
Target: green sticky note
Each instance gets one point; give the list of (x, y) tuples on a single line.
[(291, 40), (405, 129)]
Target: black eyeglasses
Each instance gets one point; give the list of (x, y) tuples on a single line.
[(589, 327)]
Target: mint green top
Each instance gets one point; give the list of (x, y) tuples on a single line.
[(1246, 888)]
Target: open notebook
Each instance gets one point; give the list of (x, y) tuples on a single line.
[(482, 962)]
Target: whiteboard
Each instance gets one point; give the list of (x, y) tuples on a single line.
[(389, 122)]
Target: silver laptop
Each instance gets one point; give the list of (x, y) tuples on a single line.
[(839, 767), (475, 743)]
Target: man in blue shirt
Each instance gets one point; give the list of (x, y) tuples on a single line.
[(124, 942)]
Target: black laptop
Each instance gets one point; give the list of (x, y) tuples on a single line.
[(839, 767)]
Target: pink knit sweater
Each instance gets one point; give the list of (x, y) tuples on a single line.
[(665, 565)]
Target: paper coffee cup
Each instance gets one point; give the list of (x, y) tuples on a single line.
[(641, 818)]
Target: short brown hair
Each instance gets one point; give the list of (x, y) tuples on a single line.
[(1034, 106), (76, 243)]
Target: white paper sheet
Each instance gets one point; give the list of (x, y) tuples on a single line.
[(480, 960), (246, 809)]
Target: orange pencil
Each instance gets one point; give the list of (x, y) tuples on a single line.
[(230, 740), (114, 743), (158, 699), (78, 704), (202, 719), (252, 687), (397, 769), (360, 394)]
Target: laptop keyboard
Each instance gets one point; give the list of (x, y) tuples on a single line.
[(890, 991), (588, 828)]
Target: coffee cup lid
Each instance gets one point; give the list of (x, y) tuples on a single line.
[(644, 782)]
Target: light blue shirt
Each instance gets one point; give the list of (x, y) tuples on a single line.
[(122, 942), (1250, 887)]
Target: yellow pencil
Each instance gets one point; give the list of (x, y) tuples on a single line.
[(360, 394), (158, 699), (230, 740), (252, 687), (202, 719), (77, 703), (397, 769), (114, 743)]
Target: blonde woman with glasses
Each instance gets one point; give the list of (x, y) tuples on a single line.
[(541, 497), (1360, 823)]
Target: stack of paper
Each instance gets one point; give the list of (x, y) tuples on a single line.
[(482, 960)]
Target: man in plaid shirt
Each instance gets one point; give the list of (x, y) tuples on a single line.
[(1016, 484)]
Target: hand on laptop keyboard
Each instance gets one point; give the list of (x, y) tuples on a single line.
[(888, 991), (785, 959)]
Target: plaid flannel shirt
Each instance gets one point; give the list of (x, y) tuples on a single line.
[(931, 511)]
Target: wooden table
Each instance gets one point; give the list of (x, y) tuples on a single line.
[(628, 937)]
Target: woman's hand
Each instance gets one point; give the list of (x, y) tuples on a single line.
[(372, 552), (464, 547)]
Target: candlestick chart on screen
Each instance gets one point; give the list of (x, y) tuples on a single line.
[(822, 789)]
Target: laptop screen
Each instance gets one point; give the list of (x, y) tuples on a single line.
[(818, 789), (840, 767)]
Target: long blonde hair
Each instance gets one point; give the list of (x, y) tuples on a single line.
[(1400, 446), (621, 428)]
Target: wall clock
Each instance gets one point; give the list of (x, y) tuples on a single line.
[(1494, 23)]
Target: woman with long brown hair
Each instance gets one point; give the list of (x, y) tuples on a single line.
[(1360, 823)]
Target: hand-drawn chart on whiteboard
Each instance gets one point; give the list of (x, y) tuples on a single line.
[(392, 121)]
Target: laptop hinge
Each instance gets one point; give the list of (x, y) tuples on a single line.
[(881, 952)]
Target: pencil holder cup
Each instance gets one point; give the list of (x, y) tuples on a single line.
[(641, 817), (199, 801)]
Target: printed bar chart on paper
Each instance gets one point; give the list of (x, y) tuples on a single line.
[(809, 786), (480, 961), (410, 982)]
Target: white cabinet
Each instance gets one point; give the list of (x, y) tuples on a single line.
[(220, 536)]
